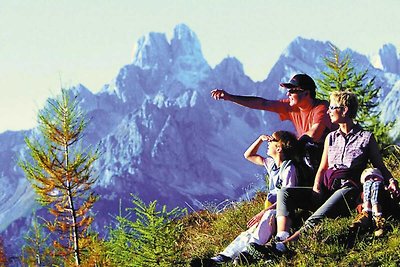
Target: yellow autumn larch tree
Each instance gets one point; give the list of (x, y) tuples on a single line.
[(60, 171)]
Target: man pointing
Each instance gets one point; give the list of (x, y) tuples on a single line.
[(307, 113)]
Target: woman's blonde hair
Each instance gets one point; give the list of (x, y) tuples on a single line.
[(346, 99)]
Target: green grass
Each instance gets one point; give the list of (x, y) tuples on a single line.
[(208, 233)]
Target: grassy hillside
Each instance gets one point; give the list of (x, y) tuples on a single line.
[(329, 244), (207, 232)]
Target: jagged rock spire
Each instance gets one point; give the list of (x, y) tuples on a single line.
[(153, 51), (185, 42)]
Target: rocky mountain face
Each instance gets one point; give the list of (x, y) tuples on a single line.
[(163, 137), (390, 58)]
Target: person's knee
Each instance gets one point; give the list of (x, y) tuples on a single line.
[(282, 194), (282, 213)]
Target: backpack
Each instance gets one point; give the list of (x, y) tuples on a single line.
[(308, 160)]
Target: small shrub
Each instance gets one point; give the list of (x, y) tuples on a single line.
[(150, 240)]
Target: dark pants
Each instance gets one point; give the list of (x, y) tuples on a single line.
[(340, 203)]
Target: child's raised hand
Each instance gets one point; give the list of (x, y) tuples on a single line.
[(267, 138)]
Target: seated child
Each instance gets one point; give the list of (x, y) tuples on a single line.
[(282, 147)]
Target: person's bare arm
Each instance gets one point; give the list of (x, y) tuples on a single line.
[(322, 167), (251, 153), (253, 102)]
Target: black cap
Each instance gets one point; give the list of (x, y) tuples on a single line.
[(302, 81)]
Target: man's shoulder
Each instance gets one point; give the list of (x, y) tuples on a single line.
[(321, 103)]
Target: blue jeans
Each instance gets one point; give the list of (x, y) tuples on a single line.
[(340, 203)]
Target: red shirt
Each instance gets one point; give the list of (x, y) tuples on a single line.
[(304, 119)]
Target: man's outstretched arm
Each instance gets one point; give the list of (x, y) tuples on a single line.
[(253, 102)]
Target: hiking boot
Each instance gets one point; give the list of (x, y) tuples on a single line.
[(256, 252), (219, 259), (276, 239), (379, 226), (362, 220), (267, 252), (273, 250), (244, 258)]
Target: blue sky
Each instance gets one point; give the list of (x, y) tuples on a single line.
[(44, 44)]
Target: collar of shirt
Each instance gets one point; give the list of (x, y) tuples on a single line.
[(356, 128)]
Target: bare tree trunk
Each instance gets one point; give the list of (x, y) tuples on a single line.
[(75, 238), (75, 233)]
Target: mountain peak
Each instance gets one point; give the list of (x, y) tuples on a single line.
[(80, 89), (182, 30), (306, 49), (185, 42), (230, 65), (188, 64), (152, 51)]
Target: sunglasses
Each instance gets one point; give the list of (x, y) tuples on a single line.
[(335, 107), (273, 140), (295, 91)]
